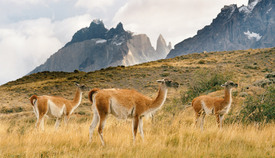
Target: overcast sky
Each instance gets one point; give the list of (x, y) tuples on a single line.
[(32, 30)]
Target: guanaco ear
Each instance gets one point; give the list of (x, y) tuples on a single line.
[(76, 84)]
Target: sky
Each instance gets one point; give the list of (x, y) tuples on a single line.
[(32, 30)]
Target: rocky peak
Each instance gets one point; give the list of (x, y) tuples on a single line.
[(119, 30), (170, 46), (97, 22), (98, 30), (248, 9), (97, 26), (227, 11), (95, 30), (119, 27), (162, 48), (161, 40)]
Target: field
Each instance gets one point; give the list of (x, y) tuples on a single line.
[(171, 132), (173, 138)]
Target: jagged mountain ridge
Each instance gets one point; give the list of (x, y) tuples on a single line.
[(96, 47), (251, 26)]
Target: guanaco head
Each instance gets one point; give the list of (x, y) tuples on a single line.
[(230, 84), (169, 83), (82, 87)]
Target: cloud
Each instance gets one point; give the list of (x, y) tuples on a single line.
[(64, 29), (23, 2), (24, 45), (175, 19), (94, 4), (27, 44)]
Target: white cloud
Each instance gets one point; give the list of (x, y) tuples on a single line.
[(24, 45), (27, 44), (94, 4), (65, 29), (21, 2)]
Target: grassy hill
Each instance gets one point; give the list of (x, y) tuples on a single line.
[(170, 134)]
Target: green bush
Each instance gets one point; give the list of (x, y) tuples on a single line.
[(259, 109), (201, 62), (206, 81)]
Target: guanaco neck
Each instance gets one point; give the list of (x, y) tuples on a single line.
[(227, 97), (161, 97), (77, 97)]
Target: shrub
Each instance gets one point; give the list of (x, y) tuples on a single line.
[(251, 67), (201, 62), (258, 108), (164, 74), (76, 71), (205, 81)]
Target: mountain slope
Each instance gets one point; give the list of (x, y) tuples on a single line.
[(96, 47), (234, 28)]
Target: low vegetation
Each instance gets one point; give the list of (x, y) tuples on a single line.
[(248, 129), (204, 81), (257, 109)]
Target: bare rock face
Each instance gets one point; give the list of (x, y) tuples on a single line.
[(96, 47), (251, 26), (162, 48), (140, 50)]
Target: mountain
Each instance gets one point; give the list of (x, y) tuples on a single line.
[(95, 47), (251, 26)]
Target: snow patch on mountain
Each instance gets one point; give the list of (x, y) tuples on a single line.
[(117, 43), (101, 41), (251, 35), (97, 21), (268, 10)]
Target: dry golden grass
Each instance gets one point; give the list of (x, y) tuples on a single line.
[(172, 137)]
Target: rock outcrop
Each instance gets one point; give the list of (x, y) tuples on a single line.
[(162, 47)]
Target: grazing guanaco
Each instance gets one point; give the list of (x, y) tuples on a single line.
[(56, 106), (206, 105), (125, 103)]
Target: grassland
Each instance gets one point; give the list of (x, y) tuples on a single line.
[(170, 134), (174, 137)]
